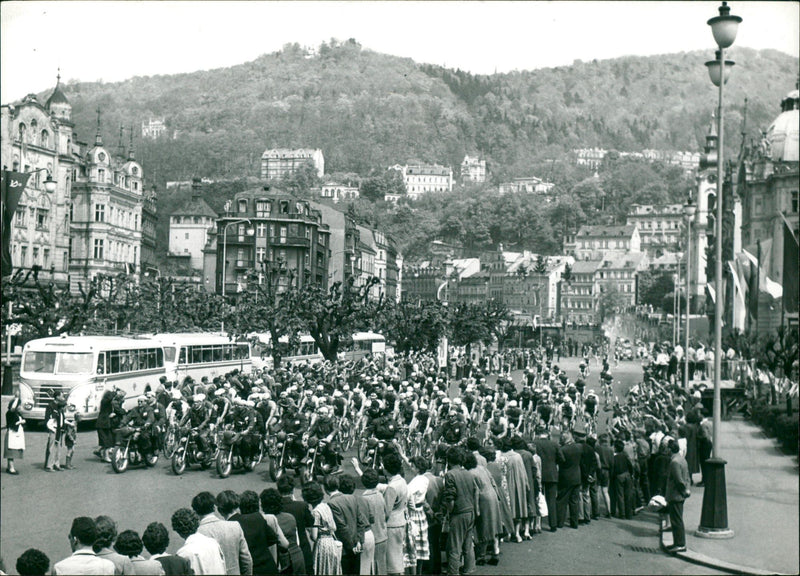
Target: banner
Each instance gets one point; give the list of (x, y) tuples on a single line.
[(12, 186), (791, 277)]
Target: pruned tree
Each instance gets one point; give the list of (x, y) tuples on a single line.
[(414, 327), (331, 317)]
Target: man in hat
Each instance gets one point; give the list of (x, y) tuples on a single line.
[(589, 466)]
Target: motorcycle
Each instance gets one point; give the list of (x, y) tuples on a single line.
[(315, 463), (229, 454), (370, 451), (281, 459), (187, 452), (129, 452)]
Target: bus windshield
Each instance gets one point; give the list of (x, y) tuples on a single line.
[(169, 353), (68, 362)]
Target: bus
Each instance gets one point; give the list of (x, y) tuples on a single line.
[(364, 343), (305, 351), (198, 355), (83, 368)]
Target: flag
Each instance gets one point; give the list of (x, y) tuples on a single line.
[(791, 277), (12, 186)]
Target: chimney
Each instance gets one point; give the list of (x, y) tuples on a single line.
[(197, 189)]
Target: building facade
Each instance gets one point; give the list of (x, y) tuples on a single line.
[(473, 170), (530, 185), (338, 192), (579, 295), (188, 228), (154, 128), (41, 138), (661, 228), (277, 163), (423, 178), (266, 225), (595, 242)]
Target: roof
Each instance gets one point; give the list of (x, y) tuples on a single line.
[(57, 97), (585, 266), (195, 206), (607, 231), (621, 261)]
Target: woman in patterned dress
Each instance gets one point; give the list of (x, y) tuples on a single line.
[(496, 465), (327, 551), (488, 525), (417, 490)]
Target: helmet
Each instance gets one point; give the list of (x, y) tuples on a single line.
[(322, 410), (457, 401), (337, 393), (512, 404), (141, 400), (198, 398)]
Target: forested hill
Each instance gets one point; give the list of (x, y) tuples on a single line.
[(367, 110)]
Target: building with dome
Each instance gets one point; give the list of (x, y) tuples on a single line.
[(39, 139), (768, 184), (92, 223)]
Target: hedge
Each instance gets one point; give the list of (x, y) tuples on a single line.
[(777, 424)]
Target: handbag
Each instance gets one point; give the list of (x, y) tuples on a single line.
[(16, 438), (541, 505)]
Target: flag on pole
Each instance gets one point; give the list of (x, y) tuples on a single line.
[(791, 276), (12, 186)]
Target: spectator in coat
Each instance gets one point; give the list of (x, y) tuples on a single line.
[(552, 457), (229, 535), (569, 481), (677, 492)]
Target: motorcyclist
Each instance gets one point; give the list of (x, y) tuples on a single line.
[(199, 416), (323, 429), (292, 422), (453, 429), (141, 417), (244, 421)]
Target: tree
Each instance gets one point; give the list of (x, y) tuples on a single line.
[(610, 302), (268, 305), (414, 327), (654, 288), (169, 305), (566, 275), (541, 265), (473, 323), (332, 317), (47, 309)]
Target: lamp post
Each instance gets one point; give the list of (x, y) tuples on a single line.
[(250, 232), (714, 517), (689, 210)]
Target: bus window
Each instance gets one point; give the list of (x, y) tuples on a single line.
[(196, 354), (75, 363), (40, 362), (182, 359), (101, 363), (169, 353), (160, 358), (208, 354), (242, 352), (217, 353)]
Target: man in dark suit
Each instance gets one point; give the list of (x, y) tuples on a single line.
[(552, 457), (351, 524), (569, 481), (301, 513)]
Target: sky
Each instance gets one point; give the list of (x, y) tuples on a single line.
[(113, 41)]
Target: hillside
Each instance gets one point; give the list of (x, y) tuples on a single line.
[(367, 110)]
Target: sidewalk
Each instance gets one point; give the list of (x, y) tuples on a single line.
[(762, 489)]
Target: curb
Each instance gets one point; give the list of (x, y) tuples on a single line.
[(665, 536)]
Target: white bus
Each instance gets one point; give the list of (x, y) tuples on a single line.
[(305, 350), (364, 343), (198, 355), (84, 367)]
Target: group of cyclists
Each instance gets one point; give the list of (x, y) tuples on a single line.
[(401, 404)]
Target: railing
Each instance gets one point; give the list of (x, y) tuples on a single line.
[(291, 241), (244, 264)]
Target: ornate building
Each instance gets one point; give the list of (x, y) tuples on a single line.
[(40, 139), (106, 227), (188, 228), (276, 163)]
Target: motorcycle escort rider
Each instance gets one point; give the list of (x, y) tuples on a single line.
[(140, 417), (323, 429)]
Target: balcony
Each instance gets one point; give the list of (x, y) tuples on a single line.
[(297, 241), (244, 263), (239, 239)]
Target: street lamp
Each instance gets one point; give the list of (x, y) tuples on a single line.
[(714, 517), (250, 231), (689, 211)]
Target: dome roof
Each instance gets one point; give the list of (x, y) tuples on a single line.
[(57, 97), (783, 134)]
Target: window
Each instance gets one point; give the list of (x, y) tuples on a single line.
[(21, 220), (45, 141), (186, 236), (99, 212), (261, 230), (101, 175), (261, 254), (794, 201), (242, 205), (263, 208), (98, 249), (136, 186), (42, 215), (23, 256), (36, 255)]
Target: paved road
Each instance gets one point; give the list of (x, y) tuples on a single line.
[(38, 507)]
